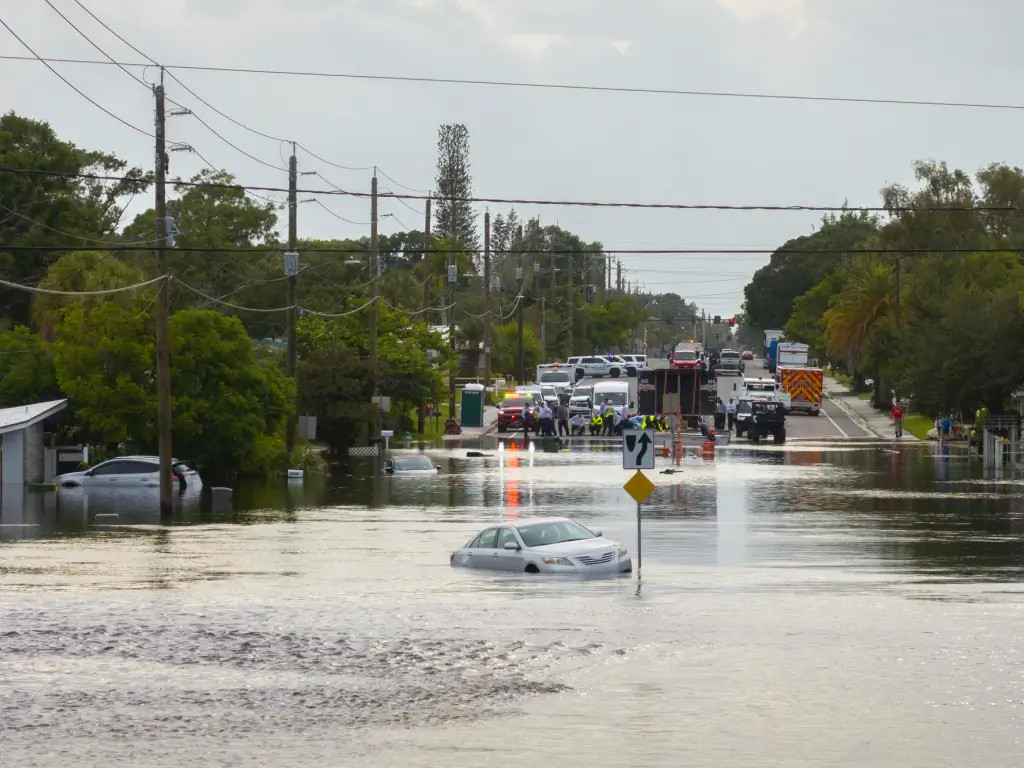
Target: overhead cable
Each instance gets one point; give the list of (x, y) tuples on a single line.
[(637, 90), (562, 203)]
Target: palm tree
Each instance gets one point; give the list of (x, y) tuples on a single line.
[(865, 301)]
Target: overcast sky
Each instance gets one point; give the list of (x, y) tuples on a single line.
[(552, 144)]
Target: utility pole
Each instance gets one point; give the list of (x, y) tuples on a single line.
[(618, 276), (426, 263), (543, 330), (373, 294), (293, 229), (421, 420), (451, 318), (163, 306), (899, 323), (572, 304), (521, 299), (586, 292), (488, 319)]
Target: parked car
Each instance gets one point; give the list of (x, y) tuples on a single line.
[(582, 400), (411, 465), (592, 365), (130, 472), (747, 355), (550, 395), (511, 413), (639, 362), (544, 545)]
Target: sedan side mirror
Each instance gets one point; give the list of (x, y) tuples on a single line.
[(598, 534), (88, 473), (512, 546), (437, 467)]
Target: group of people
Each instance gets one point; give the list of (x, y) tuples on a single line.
[(725, 414), (607, 420)]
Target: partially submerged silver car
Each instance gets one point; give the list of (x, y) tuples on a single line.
[(543, 545)]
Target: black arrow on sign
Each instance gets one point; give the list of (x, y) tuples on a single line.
[(645, 441), (630, 443)]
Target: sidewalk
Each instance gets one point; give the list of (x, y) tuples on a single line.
[(490, 424), (861, 413)]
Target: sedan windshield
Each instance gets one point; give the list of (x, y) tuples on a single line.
[(685, 354), (513, 402), (542, 534), (410, 463), (583, 392)]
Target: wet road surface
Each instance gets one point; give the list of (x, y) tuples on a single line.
[(837, 604)]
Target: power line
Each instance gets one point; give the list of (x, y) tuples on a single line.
[(89, 40), (106, 292), (227, 117), (72, 85), (562, 203), (627, 252), (636, 90)]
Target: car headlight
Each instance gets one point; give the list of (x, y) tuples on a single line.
[(623, 551), (557, 561)]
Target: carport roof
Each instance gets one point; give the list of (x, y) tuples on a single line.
[(21, 416)]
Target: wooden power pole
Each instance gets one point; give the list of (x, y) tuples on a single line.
[(374, 271), (163, 306), (292, 271), (488, 318)]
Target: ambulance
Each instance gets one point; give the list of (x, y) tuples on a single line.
[(804, 387)]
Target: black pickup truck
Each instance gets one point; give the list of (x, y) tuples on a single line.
[(758, 418)]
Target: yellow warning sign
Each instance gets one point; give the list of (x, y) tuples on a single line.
[(639, 487)]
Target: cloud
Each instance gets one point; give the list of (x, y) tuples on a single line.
[(531, 43), (794, 12), (622, 46)]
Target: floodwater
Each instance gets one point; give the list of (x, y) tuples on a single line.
[(805, 605)]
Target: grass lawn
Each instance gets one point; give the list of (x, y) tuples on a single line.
[(918, 425)]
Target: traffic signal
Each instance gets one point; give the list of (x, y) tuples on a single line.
[(732, 321)]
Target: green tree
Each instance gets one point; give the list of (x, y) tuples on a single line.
[(454, 181), (333, 373), (506, 349), (84, 271), (40, 212), (807, 322), (229, 410), (775, 287), (866, 299), (105, 361), (27, 373), (218, 219), (612, 321)]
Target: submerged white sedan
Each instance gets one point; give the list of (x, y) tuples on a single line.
[(543, 545)]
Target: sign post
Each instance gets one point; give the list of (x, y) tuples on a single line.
[(638, 454)]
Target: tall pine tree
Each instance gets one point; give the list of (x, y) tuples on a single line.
[(454, 181)]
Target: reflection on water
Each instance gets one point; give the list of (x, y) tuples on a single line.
[(807, 604)]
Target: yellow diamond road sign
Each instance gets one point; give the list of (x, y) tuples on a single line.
[(639, 487)]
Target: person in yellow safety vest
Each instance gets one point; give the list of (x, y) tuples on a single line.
[(662, 424), (596, 424), (650, 422)]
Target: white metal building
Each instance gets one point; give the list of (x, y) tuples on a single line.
[(21, 441)]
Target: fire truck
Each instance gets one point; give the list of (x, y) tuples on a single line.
[(804, 387)]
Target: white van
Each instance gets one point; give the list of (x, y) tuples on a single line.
[(558, 376), (616, 391)]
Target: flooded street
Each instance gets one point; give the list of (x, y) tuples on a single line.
[(840, 604)]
